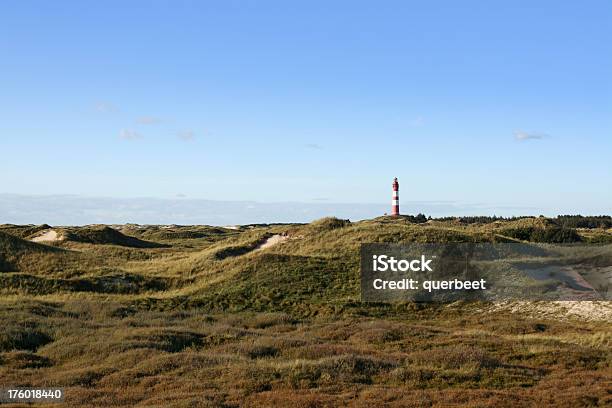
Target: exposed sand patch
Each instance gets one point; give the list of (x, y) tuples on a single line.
[(273, 240), (47, 236), (582, 310)]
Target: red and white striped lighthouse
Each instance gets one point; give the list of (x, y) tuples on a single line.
[(395, 201)]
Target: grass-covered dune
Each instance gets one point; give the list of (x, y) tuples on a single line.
[(270, 316), (15, 251)]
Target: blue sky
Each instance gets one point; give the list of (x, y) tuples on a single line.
[(499, 107)]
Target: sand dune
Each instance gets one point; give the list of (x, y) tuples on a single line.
[(47, 236)]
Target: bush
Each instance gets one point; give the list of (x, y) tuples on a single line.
[(556, 235), (334, 370), (265, 320), (455, 357), (24, 359), (25, 338), (171, 341), (552, 235), (262, 351)]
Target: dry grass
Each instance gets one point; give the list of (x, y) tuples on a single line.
[(207, 321)]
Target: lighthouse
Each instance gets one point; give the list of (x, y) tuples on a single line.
[(395, 200)]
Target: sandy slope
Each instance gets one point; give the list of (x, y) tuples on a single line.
[(273, 240), (581, 310), (47, 236)]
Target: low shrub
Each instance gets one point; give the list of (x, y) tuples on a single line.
[(552, 235), (23, 338), (454, 357)]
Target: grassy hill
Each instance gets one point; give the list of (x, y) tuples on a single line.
[(23, 231), (270, 316), (102, 234), (15, 251)]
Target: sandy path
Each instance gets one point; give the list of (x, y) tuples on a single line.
[(273, 240), (49, 235)]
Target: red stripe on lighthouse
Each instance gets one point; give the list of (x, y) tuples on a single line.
[(395, 200)]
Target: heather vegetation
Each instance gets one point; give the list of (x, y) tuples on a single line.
[(208, 316)]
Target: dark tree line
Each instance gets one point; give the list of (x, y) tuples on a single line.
[(417, 219), (579, 221), (562, 221)]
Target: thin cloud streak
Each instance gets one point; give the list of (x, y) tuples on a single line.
[(522, 136), (106, 107), (128, 134), (313, 146), (148, 120), (186, 135)]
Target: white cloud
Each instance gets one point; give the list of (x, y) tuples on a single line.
[(149, 120), (128, 134), (106, 107), (186, 135), (523, 136), (313, 146), (417, 121)]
